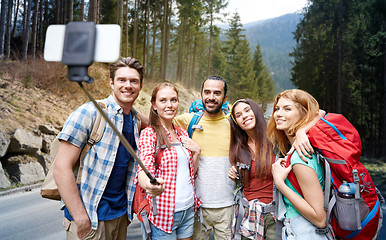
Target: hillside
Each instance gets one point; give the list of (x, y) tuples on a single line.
[(37, 92), (275, 37), (36, 98)]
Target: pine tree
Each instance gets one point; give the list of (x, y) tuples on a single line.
[(239, 69), (264, 85)]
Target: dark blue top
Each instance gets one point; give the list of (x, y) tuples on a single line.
[(113, 203)]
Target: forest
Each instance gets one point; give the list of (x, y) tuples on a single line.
[(339, 56), (176, 40)]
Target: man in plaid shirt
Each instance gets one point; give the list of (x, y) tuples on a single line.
[(100, 207)]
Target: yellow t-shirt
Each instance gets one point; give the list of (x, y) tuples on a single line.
[(213, 186)]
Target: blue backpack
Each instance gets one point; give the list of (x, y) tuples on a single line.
[(197, 106), (198, 109), (193, 125)]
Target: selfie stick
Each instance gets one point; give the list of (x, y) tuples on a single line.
[(78, 54)]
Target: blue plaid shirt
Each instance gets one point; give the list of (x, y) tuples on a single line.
[(99, 161)]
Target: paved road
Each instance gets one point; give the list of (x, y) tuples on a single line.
[(25, 215)]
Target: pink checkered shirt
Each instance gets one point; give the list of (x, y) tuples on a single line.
[(168, 172)]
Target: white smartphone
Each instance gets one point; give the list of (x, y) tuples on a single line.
[(107, 43)]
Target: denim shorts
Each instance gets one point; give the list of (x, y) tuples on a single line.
[(299, 228), (182, 226)]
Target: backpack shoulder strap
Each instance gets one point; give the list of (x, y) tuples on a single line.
[(292, 178), (193, 122), (94, 137)]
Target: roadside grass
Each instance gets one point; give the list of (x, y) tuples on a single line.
[(377, 170)]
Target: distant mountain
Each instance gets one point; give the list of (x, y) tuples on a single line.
[(275, 36)]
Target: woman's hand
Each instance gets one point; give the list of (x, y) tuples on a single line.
[(232, 173), (191, 145), (155, 189), (152, 189), (280, 171), (302, 145)]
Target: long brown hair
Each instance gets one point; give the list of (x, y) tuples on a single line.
[(154, 120), (240, 151), (308, 108)]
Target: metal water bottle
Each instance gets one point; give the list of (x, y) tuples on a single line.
[(345, 206), (346, 191)]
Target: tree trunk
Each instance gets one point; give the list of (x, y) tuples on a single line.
[(191, 82), (164, 41), (95, 11), (26, 28), (16, 13), (82, 10), (134, 53), (127, 28), (3, 24), (384, 95), (90, 15), (118, 3), (46, 18), (145, 37), (154, 36), (63, 11), (8, 31), (210, 42), (180, 57), (58, 6), (70, 15), (34, 28), (41, 11), (339, 82), (121, 13)]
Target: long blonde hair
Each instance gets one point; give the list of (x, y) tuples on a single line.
[(308, 108)]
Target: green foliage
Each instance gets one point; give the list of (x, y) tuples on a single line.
[(27, 81), (276, 40), (247, 77), (218, 55), (109, 12), (265, 87), (316, 62), (239, 70)]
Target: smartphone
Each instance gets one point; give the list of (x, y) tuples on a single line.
[(107, 43)]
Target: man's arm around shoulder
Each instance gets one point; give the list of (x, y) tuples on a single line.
[(183, 120), (66, 158)]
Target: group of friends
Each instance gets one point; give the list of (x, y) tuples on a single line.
[(197, 176)]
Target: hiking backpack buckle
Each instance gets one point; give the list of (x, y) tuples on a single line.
[(355, 176), (322, 230), (199, 127)]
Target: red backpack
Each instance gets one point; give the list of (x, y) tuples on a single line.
[(338, 146)]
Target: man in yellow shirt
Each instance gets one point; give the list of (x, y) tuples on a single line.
[(213, 186)]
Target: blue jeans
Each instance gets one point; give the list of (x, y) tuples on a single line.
[(299, 228), (182, 226)]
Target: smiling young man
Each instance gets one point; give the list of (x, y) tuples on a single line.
[(100, 206), (213, 186)]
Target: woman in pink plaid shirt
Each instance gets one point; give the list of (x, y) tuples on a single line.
[(176, 199)]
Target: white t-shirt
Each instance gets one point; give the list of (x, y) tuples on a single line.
[(184, 188)]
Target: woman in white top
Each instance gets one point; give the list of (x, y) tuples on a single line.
[(176, 198)]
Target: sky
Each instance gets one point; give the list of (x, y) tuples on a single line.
[(255, 10)]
